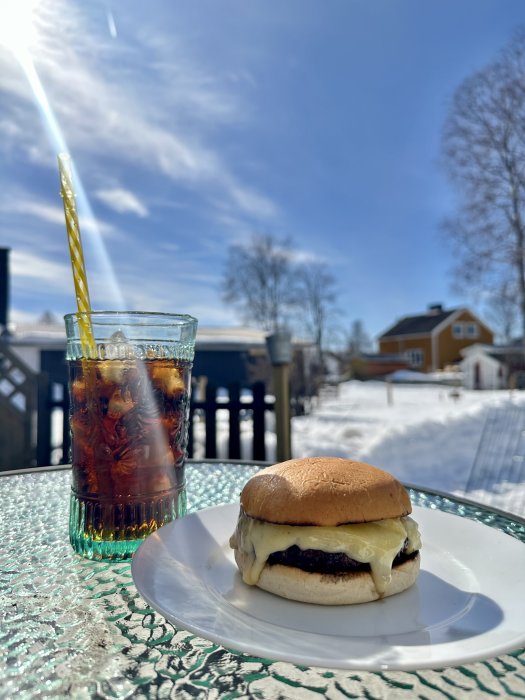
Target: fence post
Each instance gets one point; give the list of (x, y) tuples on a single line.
[(43, 430), (280, 351), (258, 411), (210, 418), (66, 434), (234, 439)]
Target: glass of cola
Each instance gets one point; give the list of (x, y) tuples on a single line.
[(129, 395)]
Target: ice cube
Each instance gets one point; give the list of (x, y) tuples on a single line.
[(118, 348), (168, 380), (113, 371), (119, 404)]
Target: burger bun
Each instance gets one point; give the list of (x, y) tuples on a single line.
[(332, 589)]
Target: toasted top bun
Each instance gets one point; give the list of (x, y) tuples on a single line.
[(325, 491)]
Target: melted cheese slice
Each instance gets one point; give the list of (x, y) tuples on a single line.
[(376, 544)]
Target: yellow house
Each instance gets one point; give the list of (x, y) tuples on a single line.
[(434, 340)]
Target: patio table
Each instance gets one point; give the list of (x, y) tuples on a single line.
[(70, 627)]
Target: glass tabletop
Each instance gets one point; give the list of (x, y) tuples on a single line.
[(77, 628)]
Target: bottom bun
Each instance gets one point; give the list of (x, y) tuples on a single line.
[(332, 589)]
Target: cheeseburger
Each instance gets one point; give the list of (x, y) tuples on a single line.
[(326, 530)]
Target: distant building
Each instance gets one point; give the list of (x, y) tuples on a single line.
[(223, 356), (33, 374), (434, 340), (493, 366), (377, 365), (483, 368)]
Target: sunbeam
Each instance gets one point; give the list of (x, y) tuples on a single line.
[(17, 33)]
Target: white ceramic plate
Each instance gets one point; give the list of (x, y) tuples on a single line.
[(466, 605)]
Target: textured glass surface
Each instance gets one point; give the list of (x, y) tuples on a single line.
[(70, 627)]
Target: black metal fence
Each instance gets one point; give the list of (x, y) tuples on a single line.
[(251, 406)]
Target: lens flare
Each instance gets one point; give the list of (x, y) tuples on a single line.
[(17, 33)]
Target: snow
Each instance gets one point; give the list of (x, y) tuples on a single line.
[(408, 376), (426, 435)]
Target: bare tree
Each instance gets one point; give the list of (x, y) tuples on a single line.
[(270, 285), (260, 281), (358, 339), (316, 301), (503, 311), (484, 152)]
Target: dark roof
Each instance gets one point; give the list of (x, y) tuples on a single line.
[(424, 323)]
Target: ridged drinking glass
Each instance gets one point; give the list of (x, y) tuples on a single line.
[(129, 407)]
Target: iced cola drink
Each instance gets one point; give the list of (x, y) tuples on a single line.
[(129, 410)]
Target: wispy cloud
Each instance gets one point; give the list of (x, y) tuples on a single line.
[(122, 201), (248, 200), (20, 316), (149, 124), (52, 214), (40, 210), (34, 274), (33, 269), (109, 105), (200, 94)]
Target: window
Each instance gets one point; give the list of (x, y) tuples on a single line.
[(457, 330), (465, 330), (415, 357), (471, 330)]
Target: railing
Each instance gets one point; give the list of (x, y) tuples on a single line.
[(500, 458), (238, 409), (53, 396), (18, 392)]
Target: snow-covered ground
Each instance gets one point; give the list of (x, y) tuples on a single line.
[(423, 434), (426, 435)]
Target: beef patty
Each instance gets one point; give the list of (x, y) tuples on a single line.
[(316, 561)]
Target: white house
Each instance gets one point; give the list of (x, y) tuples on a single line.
[(483, 367)]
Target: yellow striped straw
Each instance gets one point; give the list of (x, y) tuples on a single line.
[(77, 256)]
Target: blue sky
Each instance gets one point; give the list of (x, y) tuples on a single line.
[(194, 125)]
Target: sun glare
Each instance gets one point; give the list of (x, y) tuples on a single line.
[(18, 33), (17, 27)]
